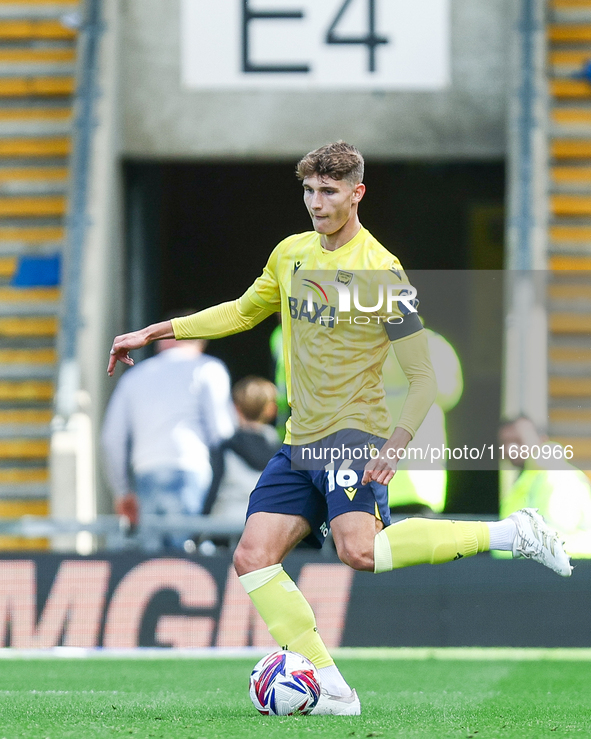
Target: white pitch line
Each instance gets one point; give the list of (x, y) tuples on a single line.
[(61, 692), (513, 654), (510, 654)]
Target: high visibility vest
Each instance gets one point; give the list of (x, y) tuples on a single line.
[(562, 496), (283, 410), (411, 484)]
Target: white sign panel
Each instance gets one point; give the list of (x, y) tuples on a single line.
[(315, 44)]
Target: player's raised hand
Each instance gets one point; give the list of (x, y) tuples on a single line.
[(380, 470), (383, 468), (123, 344)]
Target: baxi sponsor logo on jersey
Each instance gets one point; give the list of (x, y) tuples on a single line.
[(389, 296), (308, 309)]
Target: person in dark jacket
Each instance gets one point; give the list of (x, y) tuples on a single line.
[(240, 459)]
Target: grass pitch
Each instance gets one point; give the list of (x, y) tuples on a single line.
[(485, 697)]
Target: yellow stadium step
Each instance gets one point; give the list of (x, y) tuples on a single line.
[(39, 2), (22, 544), (560, 205), (42, 115), (569, 57), (32, 206), (571, 116), (18, 508), (33, 174), (571, 148), (26, 326), (570, 387), (569, 355), (29, 295), (569, 234), (563, 175), (24, 448), (563, 4), (36, 390), (570, 323), (570, 415), (36, 56), (23, 475), (28, 42), (29, 235), (569, 264), (7, 266), (567, 33), (581, 446), (568, 291), (25, 416), (563, 88), (570, 53), (34, 29), (33, 3), (57, 146), (24, 86)]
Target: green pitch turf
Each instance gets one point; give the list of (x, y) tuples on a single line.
[(181, 698)]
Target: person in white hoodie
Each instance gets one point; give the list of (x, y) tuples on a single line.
[(163, 418)]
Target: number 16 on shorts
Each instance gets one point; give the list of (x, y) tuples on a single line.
[(344, 478)]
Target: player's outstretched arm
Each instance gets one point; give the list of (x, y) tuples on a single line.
[(212, 323), (123, 344)]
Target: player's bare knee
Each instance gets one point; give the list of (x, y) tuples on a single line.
[(248, 559), (356, 559), (243, 560)]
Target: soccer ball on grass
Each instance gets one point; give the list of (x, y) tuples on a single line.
[(284, 683)]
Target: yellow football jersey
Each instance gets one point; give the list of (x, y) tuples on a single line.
[(333, 356)]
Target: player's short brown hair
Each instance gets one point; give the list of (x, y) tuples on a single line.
[(339, 161), (252, 396)]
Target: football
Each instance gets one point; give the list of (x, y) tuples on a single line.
[(283, 684)]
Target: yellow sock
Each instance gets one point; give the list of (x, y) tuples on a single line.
[(286, 612), (417, 541)]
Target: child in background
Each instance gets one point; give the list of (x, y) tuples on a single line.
[(241, 458)]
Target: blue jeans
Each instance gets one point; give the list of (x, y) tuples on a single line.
[(172, 492)]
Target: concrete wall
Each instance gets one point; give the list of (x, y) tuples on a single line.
[(101, 302), (161, 119)]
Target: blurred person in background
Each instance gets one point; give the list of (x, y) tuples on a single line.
[(560, 491), (164, 418), (412, 489), (283, 411), (241, 458)]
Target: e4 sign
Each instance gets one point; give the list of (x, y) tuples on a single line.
[(315, 44)]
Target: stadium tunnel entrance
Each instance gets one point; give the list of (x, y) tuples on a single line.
[(198, 234)]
